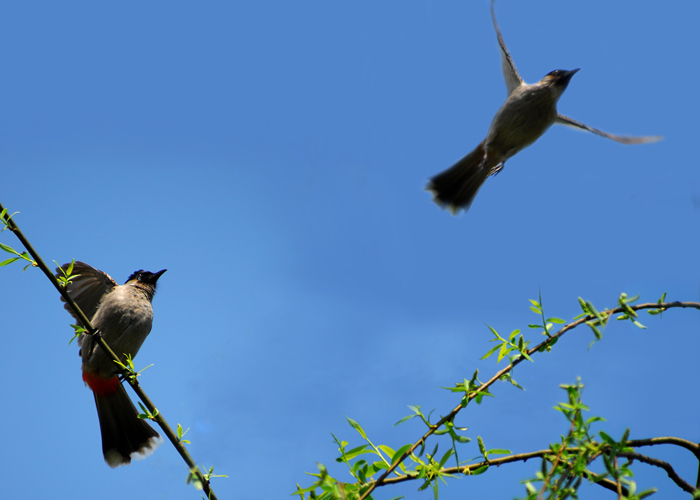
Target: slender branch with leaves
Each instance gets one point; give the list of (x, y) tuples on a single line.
[(564, 465)]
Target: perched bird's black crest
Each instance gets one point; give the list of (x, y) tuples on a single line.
[(146, 277)]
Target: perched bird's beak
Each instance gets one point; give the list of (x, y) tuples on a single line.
[(154, 278)]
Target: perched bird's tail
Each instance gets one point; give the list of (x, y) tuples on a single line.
[(123, 433), (456, 187)]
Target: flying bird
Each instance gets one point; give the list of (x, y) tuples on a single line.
[(527, 113), (123, 315)]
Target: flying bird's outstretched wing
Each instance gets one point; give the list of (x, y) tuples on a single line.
[(510, 72), (565, 120)]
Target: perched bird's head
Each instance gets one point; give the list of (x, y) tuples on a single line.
[(559, 78), (146, 279)]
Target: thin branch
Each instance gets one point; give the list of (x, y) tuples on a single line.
[(683, 443), (555, 463), (663, 465), (541, 346), (12, 226), (495, 462), (617, 480)]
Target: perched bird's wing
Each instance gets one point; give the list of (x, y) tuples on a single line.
[(510, 72), (87, 287), (624, 139)]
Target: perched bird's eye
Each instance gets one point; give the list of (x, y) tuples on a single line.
[(138, 275)]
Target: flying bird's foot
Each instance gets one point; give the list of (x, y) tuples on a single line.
[(497, 169)]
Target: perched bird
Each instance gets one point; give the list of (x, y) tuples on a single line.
[(527, 113), (123, 315)]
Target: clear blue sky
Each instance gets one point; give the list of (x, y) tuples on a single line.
[(272, 156)]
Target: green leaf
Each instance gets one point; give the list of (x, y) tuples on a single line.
[(503, 352), (480, 470), (356, 426), (373, 469), (11, 260), (399, 452), (517, 384), (499, 451), (593, 310), (355, 452), (558, 321), (638, 324), (495, 333), (606, 437), (526, 355), (446, 457), (387, 449), (491, 351), (9, 249), (651, 491), (404, 419), (595, 419), (415, 409)]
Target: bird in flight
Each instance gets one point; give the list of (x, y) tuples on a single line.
[(527, 113)]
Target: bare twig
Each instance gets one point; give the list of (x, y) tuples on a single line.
[(663, 465)]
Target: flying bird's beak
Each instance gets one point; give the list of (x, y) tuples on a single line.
[(565, 78)]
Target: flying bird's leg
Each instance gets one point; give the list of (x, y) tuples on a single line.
[(497, 169)]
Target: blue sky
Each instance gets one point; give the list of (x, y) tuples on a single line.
[(272, 156)]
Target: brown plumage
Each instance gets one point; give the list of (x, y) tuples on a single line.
[(527, 113), (123, 316)]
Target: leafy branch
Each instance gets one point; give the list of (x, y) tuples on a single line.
[(516, 349)]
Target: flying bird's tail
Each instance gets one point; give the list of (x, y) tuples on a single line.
[(456, 187)]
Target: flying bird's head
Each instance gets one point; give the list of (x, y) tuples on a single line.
[(557, 81), (559, 78)]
